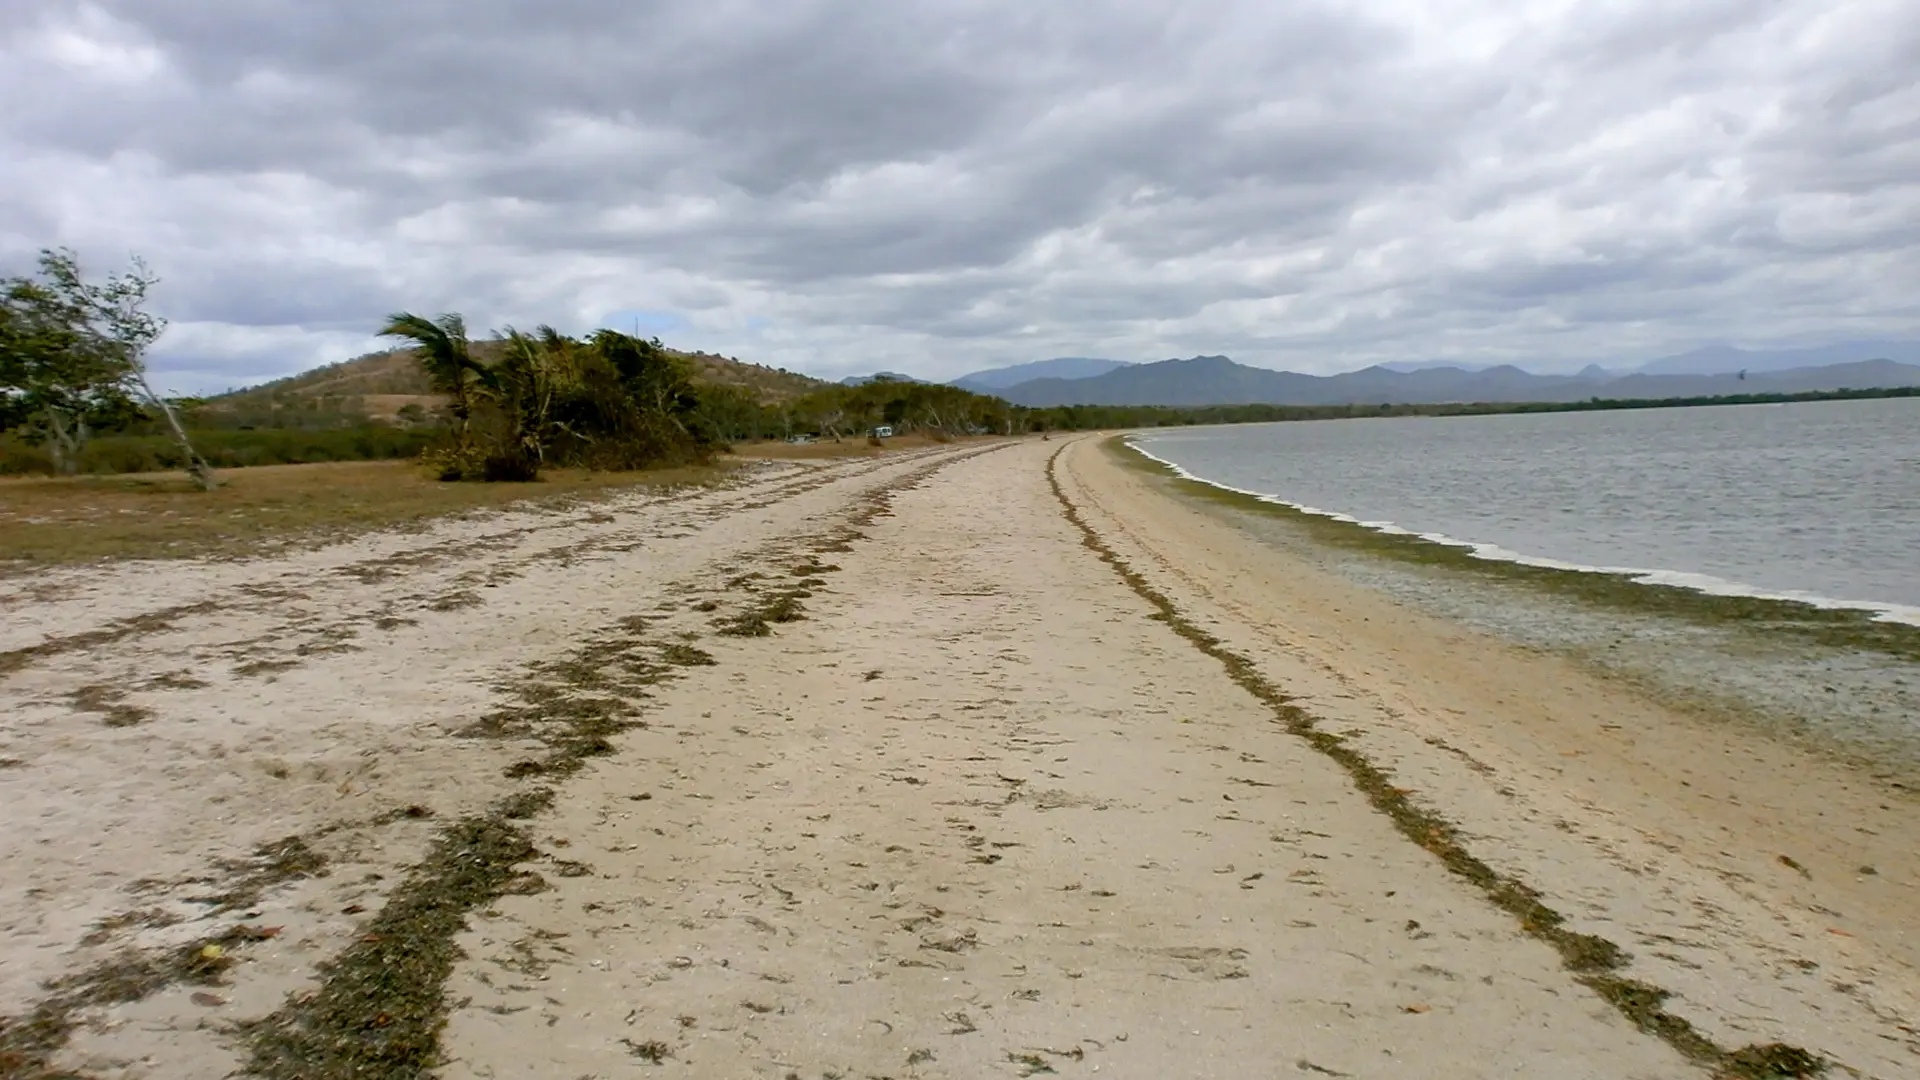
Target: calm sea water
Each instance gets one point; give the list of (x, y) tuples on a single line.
[(1817, 501)]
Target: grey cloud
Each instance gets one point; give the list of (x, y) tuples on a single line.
[(1604, 36), (245, 290), (839, 185)]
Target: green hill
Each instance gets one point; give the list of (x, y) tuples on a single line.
[(380, 384)]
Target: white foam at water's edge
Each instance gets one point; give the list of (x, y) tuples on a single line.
[(1700, 583)]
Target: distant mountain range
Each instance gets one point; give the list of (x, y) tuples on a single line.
[(1216, 380), (1725, 360), (1060, 367), (1423, 365), (878, 376)]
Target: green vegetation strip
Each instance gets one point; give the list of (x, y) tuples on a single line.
[(1592, 959), (223, 449), (1110, 417), (381, 1005), (1836, 628)]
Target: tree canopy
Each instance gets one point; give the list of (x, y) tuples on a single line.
[(68, 354), (73, 352)]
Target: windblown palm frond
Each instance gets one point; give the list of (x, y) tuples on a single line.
[(446, 357), (442, 344)]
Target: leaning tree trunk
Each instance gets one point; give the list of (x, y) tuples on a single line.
[(197, 466), (65, 442)]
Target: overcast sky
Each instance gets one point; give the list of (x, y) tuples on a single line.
[(839, 186)]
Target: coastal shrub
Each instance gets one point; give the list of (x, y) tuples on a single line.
[(450, 462), (18, 458), (509, 468), (521, 402)]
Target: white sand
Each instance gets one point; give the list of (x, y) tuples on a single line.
[(979, 813)]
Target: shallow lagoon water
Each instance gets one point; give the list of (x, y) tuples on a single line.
[(1845, 680), (1817, 501)]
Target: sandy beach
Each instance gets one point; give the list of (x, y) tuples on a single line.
[(993, 758)]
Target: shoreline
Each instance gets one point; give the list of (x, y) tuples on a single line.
[(991, 759), (1831, 679), (1535, 751), (1688, 581)]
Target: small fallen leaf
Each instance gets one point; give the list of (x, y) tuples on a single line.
[(212, 952), (1416, 1008), (1837, 930)]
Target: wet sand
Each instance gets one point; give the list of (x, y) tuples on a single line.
[(1013, 792)]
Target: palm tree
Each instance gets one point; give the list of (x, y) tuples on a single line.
[(534, 370), (450, 366)]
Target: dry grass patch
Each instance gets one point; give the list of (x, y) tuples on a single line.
[(79, 519)]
